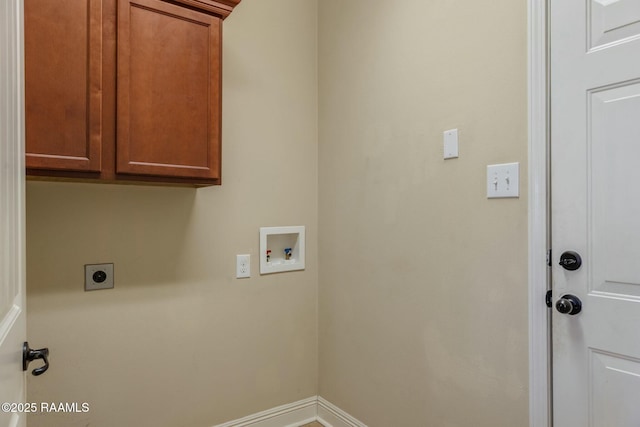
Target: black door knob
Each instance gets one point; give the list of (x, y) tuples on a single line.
[(569, 304), (29, 355), (570, 260)]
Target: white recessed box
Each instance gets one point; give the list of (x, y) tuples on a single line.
[(286, 246)]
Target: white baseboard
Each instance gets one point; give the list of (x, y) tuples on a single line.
[(291, 415), (332, 416), (297, 414)]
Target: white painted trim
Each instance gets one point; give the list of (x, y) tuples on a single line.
[(290, 415), (332, 416), (539, 348), (6, 324), (297, 414), (14, 421)]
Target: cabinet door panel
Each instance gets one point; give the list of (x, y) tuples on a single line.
[(63, 84), (168, 91)]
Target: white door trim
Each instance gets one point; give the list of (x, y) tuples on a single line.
[(539, 348)]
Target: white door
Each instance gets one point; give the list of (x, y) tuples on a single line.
[(595, 155), (12, 268)]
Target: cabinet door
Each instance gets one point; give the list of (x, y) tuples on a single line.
[(168, 91), (63, 84)]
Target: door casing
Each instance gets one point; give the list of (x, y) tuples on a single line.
[(540, 392), (12, 287)]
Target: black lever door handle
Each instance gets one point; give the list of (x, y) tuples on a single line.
[(29, 355)]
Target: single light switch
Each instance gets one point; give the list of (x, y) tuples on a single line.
[(503, 180), (451, 144)]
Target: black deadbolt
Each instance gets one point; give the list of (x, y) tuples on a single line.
[(570, 260), (99, 276)]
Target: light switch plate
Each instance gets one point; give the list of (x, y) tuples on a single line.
[(450, 144), (98, 276), (503, 180)]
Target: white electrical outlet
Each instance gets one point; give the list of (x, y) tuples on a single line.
[(243, 266)]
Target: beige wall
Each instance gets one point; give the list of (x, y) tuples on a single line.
[(423, 281), (423, 295), (180, 341)]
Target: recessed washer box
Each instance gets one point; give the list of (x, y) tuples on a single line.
[(281, 249)]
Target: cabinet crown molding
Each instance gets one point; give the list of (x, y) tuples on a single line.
[(221, 8)]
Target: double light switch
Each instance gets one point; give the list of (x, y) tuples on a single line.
[(503, 180)]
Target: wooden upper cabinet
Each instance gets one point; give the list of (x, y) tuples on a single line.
[(169, 89), (124, 90), (63, 84)]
